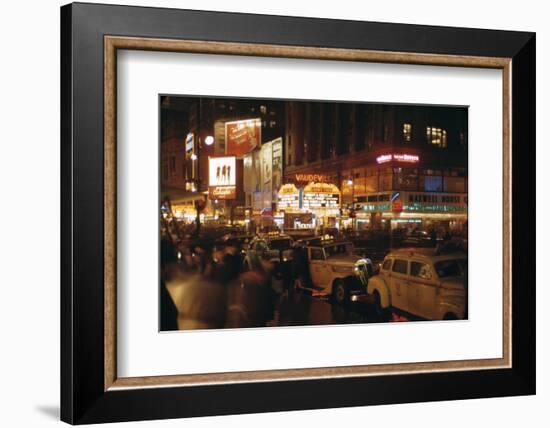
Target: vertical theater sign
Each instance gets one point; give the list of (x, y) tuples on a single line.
[(266, 156)]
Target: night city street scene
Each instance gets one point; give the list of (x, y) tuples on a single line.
[(293, 213)]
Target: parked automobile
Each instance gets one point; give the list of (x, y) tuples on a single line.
[(239, 241), (298, 234), (275, 247), (305, 242), (332, 268), (423, 282), (418, 238)]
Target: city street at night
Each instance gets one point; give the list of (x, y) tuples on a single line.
[(296, 213), (296, 309)]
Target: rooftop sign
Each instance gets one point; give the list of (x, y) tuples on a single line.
[(398, 157)]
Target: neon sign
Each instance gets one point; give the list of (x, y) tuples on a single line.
[(398, 157), (307, 178)]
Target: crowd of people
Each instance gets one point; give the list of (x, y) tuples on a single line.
[(205, 287), (204, 283)]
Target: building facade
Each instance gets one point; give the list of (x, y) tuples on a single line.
[(186, 123), (392, 163)]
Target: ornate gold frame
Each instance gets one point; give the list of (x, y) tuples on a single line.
[(113, 43)]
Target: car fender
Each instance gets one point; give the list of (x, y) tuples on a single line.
[(445, 307), (377, 283), (334, 278), (330, 280)]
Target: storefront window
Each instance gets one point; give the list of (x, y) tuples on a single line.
[(359, 185), (431, 172), (405, 179), (371, 183), (385, 180), (454, 184), (430, 183), (346, 185)]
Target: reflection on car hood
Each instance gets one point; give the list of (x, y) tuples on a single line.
[(343, 259)]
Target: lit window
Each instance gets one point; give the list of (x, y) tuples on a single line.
[(263, 109), (407, 132), (436, 136)]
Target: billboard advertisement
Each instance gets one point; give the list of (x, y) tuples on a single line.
[(222, 173), (277, 150), (266, 155), (266, 174), (242, 136)]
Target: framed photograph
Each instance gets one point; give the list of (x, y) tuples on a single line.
[(266, 213)]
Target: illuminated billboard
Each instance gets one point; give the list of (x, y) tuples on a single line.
[(222, 173), (242, 136), (277, 170)]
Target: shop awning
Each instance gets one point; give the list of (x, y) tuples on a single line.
[(177, 195)]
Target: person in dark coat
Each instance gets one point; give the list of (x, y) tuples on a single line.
[(433, 237), (168, 310)]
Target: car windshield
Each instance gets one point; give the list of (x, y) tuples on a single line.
[(281, 244), (452, 267), (332, 250)]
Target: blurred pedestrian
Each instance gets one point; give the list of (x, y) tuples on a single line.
[(250, 297)]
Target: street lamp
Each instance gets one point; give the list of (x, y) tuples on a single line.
[(208, 141), (350, 183)]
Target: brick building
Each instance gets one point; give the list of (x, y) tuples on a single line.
[(392, 163)]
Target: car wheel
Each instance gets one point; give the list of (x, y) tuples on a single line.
[(449, 316), (340, 291)]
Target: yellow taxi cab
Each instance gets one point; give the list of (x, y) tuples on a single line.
[(422, 282)]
